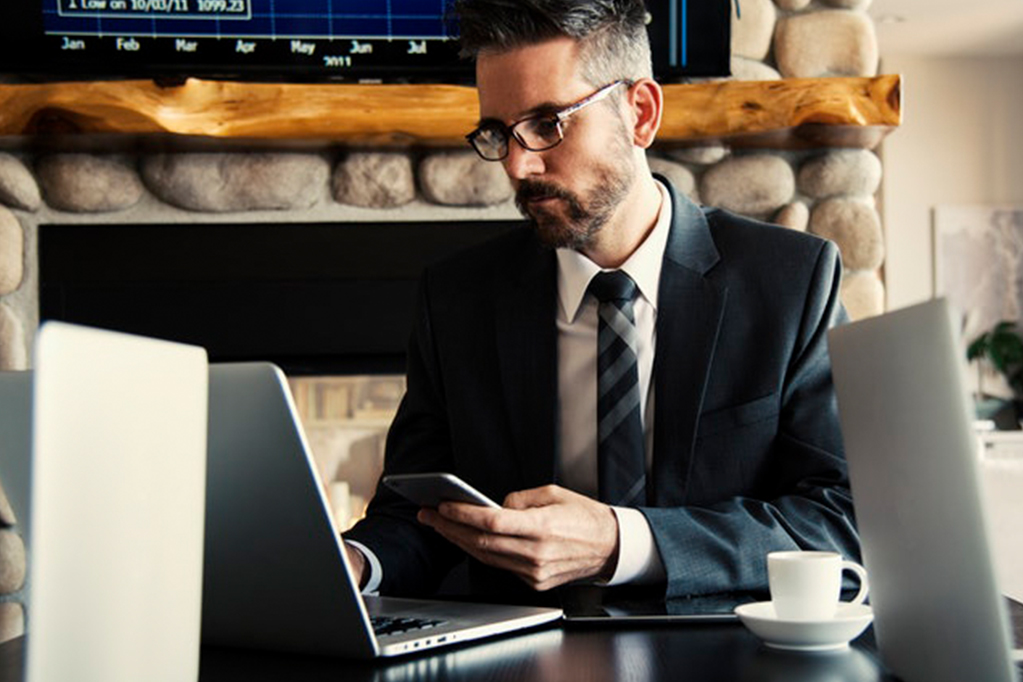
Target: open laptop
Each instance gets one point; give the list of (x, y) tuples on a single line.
[(938, 613), (103, 458), (276, 573)]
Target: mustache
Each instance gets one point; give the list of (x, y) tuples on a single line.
[(529, 190)]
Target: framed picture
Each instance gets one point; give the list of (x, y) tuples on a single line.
[(978, 263), (978, 266)]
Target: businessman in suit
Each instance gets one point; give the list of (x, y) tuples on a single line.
[(711, 439)]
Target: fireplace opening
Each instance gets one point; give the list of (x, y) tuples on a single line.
[(314, 298), (345, 419), (330, 303)]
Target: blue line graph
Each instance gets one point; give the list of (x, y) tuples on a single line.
[(270, 19), (678, 33)]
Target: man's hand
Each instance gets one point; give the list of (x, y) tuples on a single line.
[(547, 536), (358, 563)]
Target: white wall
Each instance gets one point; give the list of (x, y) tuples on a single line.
[(961, 142)]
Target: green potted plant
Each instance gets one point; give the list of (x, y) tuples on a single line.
[(1002, 347)]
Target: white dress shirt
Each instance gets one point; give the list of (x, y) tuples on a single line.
[(577, 323), (638, 558)]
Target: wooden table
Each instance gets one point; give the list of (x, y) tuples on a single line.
[(684, 653), (687, 653), (563, 654)]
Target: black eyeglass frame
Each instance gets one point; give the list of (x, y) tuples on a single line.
[(558, 117)]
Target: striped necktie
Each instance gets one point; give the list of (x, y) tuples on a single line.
[(621, 463)]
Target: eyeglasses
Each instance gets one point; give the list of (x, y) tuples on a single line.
[(535, 133)]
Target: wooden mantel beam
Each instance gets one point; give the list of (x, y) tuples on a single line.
[(793, 112), (739, 112)]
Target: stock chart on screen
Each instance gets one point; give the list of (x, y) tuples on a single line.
[(318, 35), (353, 40)]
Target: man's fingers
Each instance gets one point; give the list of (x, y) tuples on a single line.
[(547, 536), (534, 497), (358, 563), (538, 564), (478, 540), (503, 551), (515, 522), (507, 553)]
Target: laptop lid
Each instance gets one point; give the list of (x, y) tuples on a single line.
[(118, 470), (276, 574), (938, 613)]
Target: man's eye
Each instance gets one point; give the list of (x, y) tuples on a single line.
[(547, 128)]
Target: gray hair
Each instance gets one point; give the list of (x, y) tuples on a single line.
[(611, 34)]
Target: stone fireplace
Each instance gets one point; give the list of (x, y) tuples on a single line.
[(828, 189)]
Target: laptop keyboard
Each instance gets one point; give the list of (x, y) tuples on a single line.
[(392, 625)]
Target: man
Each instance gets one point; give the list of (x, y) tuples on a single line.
[(732, 446)]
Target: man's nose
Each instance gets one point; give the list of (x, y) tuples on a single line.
[(522, 163)]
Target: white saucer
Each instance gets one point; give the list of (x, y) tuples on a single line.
[(825, 635)]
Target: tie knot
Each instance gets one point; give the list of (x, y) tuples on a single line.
[(613, 286)]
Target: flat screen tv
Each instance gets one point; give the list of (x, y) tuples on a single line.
[(296, 40)]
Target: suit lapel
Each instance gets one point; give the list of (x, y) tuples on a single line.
[(527, 350), (690, 309)]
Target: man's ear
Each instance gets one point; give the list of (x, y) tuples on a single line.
[(646, 101)]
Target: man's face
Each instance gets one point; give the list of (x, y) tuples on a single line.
[(568, 192)]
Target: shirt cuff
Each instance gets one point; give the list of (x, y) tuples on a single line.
[(376, 571), (638, 558)]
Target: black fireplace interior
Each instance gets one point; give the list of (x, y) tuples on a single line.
[(314, 298)]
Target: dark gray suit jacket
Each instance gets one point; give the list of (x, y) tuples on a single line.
[(747, 453)]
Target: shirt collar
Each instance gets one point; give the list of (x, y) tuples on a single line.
[(644, 265)]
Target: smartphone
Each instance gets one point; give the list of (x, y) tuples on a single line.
[(429, 490)]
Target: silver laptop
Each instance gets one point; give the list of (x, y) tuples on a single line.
[(103, 457), (906, 421), (276, 573)]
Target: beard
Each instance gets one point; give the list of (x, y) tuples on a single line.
[(574, 219)]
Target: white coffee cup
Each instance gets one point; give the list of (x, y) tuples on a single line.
[(807, 586)]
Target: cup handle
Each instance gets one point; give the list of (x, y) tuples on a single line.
[(861, 573)]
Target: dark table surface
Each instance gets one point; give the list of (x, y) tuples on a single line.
[(564, 653), (590, 653)]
